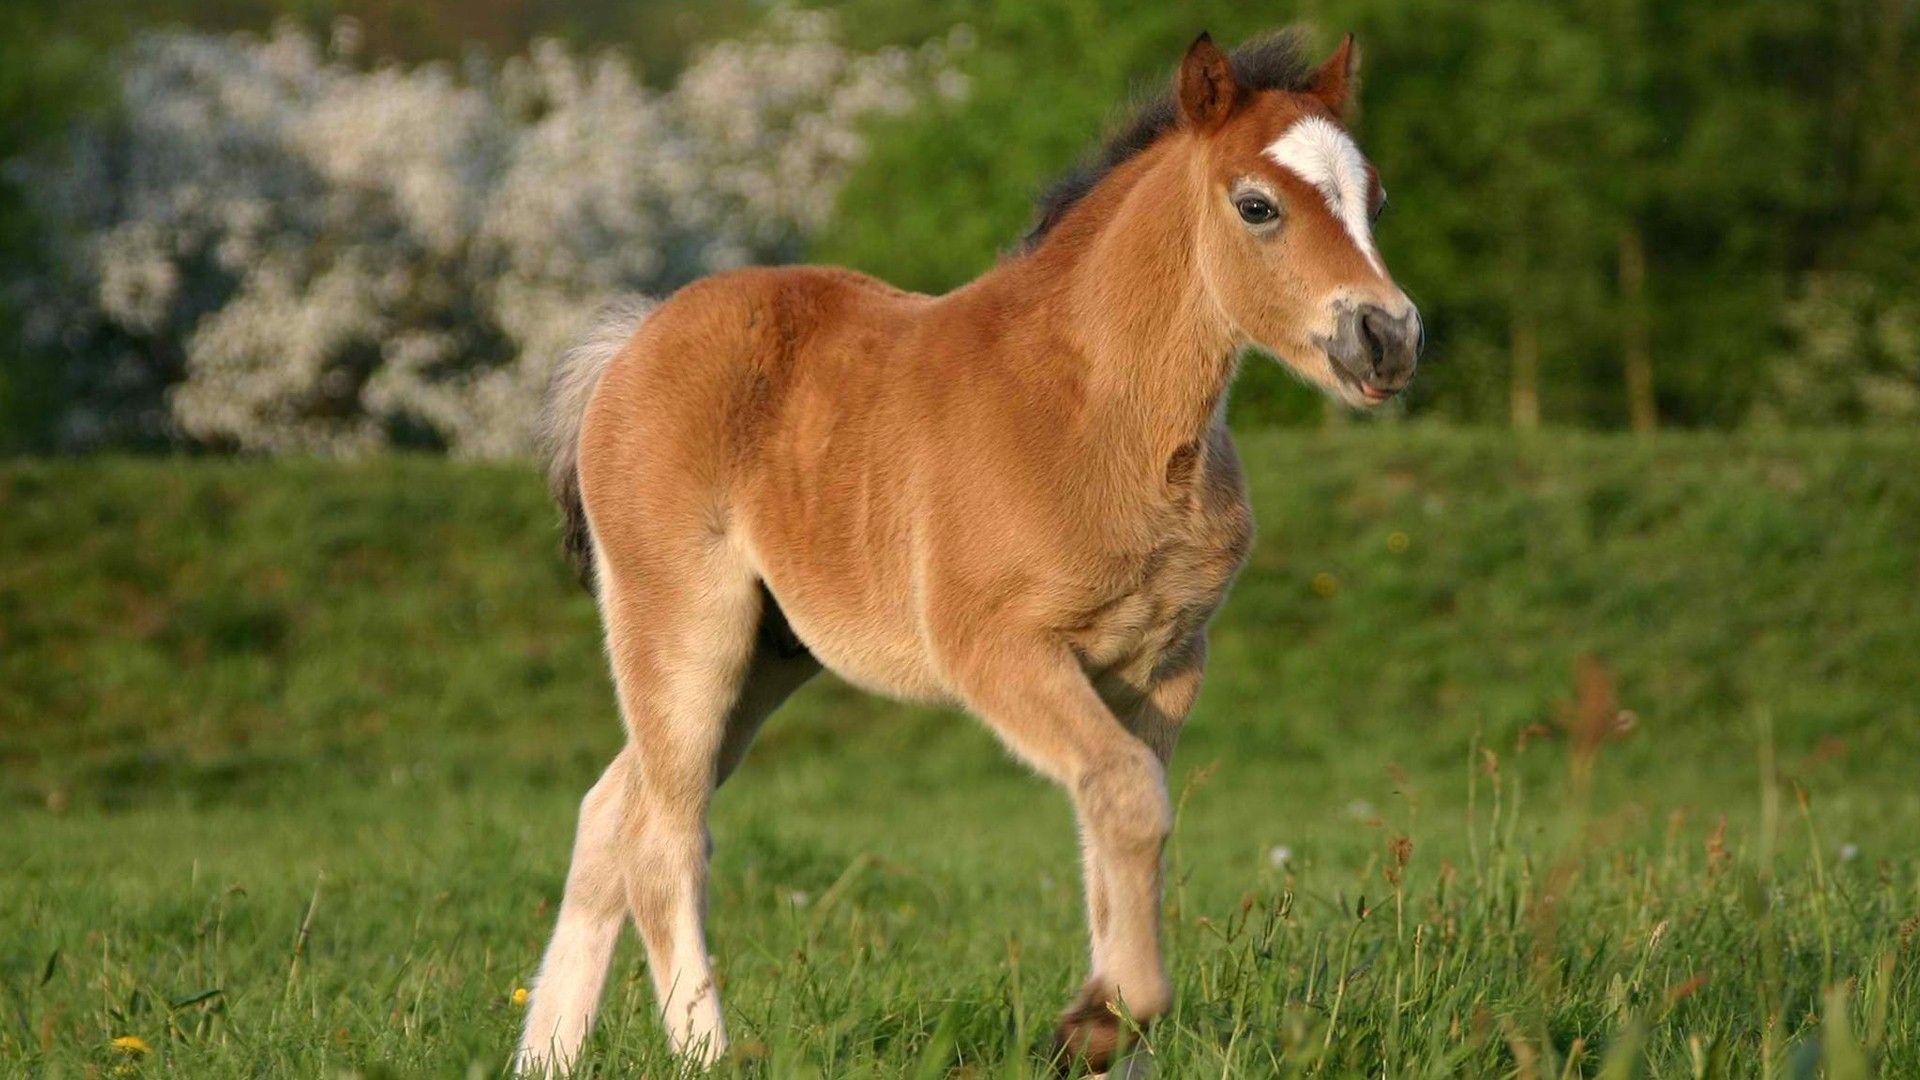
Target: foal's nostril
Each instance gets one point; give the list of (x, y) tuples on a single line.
[(1376, 331)]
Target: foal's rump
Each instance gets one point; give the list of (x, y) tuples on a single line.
[(751, 415), (715, 358)]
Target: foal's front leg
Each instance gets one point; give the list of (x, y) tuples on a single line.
[(1035, 696), (1154, 715)]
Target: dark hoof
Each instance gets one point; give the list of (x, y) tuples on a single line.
[(1088, 1039)]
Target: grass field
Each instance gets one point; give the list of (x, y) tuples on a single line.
[(1575, 755)]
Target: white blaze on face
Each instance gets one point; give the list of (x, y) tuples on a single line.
[(1317, 151)]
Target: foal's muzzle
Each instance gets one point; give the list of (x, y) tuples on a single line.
[(1375, 349)]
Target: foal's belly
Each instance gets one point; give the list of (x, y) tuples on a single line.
[(875, 652), (883, 651), (850, 584), (854, 615)]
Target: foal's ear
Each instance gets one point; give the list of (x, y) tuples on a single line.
[(1208, 91), (1334, 81)]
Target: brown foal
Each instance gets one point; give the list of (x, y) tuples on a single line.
[(1019, 498)]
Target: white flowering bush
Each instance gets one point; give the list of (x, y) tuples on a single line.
[(1854, 355), (274, 248)]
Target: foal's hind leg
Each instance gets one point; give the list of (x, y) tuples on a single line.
[(680, 641), (566, 993), (642, 840)]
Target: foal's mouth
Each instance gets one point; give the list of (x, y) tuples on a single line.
[(1357, 390), (1364, 391)]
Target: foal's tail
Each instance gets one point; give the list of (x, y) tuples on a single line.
[(574, 380)]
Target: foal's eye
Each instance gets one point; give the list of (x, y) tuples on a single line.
[(1379, 207), (1255, 209)]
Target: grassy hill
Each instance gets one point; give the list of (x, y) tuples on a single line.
[(306, 738)]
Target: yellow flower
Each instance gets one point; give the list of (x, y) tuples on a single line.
[(1398, 542), (132, 1044), (1325, 584), (519, 995)]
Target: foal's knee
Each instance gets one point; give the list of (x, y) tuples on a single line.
[(1123, 797), (665, 862)]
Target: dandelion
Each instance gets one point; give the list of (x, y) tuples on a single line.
[(519, 995), (1398, 542), (1279, 856), (132, 1044), (1849, 852), (1325, 585)]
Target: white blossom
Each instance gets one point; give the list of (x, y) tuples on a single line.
[(1854, 355), (275, 248)]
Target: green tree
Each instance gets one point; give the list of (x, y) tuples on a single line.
[(47, 76), (1603, 206)]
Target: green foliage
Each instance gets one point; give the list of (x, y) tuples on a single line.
[(1743, 145), (47, 77), (292, 752)]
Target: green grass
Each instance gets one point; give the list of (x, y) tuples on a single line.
[(289, 755)]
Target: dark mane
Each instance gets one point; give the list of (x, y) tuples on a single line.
[(1276, 61)]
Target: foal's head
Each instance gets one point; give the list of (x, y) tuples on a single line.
[(1285, 222)]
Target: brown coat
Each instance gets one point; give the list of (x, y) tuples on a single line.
[(1019, 498)]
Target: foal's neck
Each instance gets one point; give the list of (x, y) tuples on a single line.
[(1158, 352)]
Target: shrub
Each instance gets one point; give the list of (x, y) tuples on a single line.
[(274, 247), (1854, 355)]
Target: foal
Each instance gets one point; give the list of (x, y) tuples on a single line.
[(1019, 497)]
